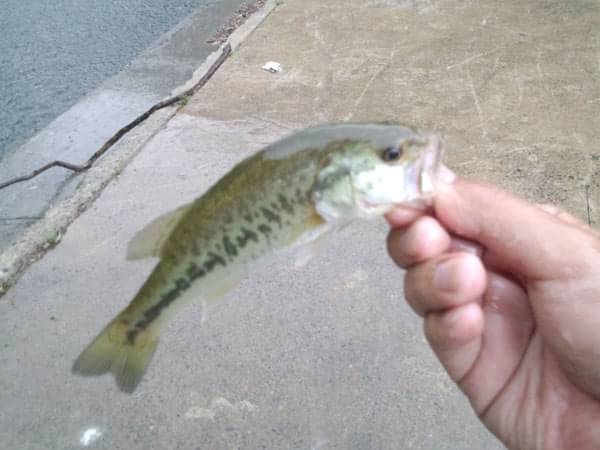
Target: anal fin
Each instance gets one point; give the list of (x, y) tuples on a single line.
[(305, 240)]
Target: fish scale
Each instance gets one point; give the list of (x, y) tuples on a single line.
[(287, 194)]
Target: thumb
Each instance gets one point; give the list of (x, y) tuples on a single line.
[(523, 238)]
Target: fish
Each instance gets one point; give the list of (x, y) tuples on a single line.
[(288, 195)]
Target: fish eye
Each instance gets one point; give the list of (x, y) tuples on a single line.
[(392, 153)]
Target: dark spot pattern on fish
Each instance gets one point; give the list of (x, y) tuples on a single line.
[(182, 284), (285, 203), (246, 236), (247, 217), (230, 247), (214, 260), (271, 216), (265, 229), (194, 272), (152, 313), (132, 335)]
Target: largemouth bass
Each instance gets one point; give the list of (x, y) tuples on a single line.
[(289, 194)]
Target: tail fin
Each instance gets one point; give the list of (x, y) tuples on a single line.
[(124, 351)]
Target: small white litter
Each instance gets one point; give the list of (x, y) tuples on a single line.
[(90, 436), (272, 67)]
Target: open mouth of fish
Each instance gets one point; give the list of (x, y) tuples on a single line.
[(421, 177), (427, 169)]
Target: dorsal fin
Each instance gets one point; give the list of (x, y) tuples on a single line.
[(149, 241)]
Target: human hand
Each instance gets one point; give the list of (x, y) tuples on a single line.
[(510, 295)]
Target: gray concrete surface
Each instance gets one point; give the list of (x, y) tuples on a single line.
[(327, 356), (80, 131)]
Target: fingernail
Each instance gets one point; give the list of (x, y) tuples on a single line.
[(445, 175), (466, 246), (402, 216), (445, 277)]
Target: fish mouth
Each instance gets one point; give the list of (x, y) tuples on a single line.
[(430, 164), (368, 208), (422, 177)]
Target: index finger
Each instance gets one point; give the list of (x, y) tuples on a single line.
[(403, 216)]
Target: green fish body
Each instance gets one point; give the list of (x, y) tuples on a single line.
[(288, 194)]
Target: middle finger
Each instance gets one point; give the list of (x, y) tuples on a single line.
[(420, 241)]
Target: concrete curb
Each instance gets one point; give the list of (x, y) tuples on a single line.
[(235, 40), (48, 231)]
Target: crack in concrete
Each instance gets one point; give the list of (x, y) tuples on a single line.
[(482, 120), (474, 57), (22, 218), (368, 84)]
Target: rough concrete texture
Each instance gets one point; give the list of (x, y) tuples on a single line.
[(327, 356)]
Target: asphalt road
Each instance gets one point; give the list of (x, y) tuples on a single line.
[(53, 53)]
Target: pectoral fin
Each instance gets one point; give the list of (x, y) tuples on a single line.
[(306, 239), (149, 241)]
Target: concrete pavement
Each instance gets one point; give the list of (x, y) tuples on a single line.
[(327, 356)]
